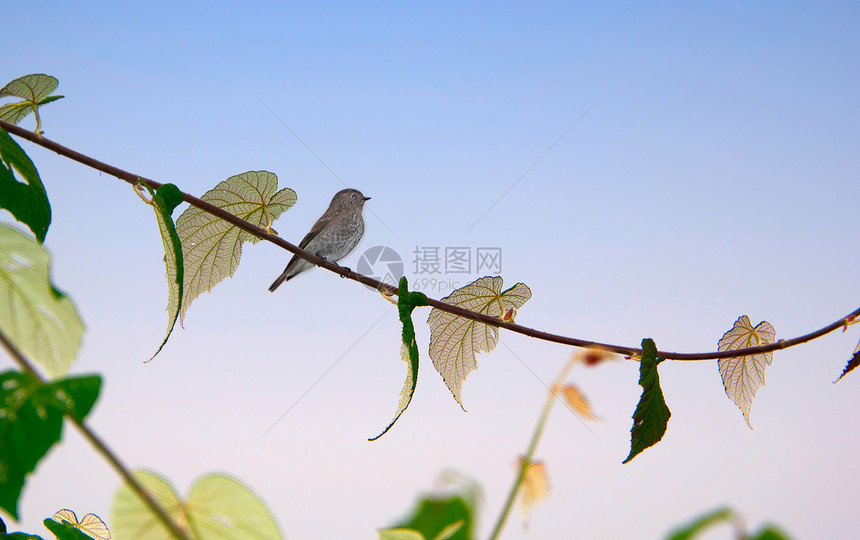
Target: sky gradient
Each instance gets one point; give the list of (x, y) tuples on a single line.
[(711, 172)]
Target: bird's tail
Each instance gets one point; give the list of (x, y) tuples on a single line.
[(282, 278)]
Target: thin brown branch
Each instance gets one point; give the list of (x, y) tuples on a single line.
[(388, 289), (102, 448)]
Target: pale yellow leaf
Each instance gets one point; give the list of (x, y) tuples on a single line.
[(455, 341), (578, 402), (212, 247), (91, 524), (742, 376), (535, 486)]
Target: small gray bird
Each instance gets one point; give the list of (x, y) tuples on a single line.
[(333, 236)]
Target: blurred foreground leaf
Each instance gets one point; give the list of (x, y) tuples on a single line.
[(31, 422), (218, 507), (40, 321)]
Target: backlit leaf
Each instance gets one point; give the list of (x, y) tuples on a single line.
[(91, 524), (212, 247), (130, 518), (41, 322), (742, 376), (218, 508), (31, 422), (455, 341), (34, 90), (652, 415)]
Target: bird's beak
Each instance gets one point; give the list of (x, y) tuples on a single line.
[(367, 198)]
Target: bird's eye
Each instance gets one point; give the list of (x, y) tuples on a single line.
[(354, 196)]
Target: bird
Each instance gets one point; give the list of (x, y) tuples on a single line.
[(333, 236)]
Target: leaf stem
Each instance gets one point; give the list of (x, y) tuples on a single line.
[(388, 289), (527, 460), (102, 449)]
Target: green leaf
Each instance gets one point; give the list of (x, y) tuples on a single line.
[(164, 201), (743, 375), (690, 530), (218, 507), (34, 90), (64, 531), (852, 363), (36, 318), (652, 414), (770, 532), (31, 422), (406, 303), (441, 517), (27, 199), (455, 341), (400, 533), (212, 247)]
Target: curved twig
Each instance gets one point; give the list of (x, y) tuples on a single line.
[(390, 290)]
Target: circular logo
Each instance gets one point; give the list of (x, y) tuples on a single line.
[(381, 263)]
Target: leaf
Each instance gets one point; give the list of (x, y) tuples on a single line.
[(400, 533), (130, 518), (852, 363), (26, 200), (212, 247), (770, 532), (164, 201), (578, 402), (65, 531), (218, 507), (406, 303), (535, 486), (448, 532), (690, 530), (455, 341), (592, 356), (435, 517), (31, 422), (91, 525), (742, 376), (34, 90), (652, 415), (37, 319)]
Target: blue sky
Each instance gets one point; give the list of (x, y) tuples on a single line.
[(712, 174)]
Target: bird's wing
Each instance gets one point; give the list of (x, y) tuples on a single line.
[(315, 230)]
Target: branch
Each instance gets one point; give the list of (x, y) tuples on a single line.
[(102, 449), (390, 290)]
